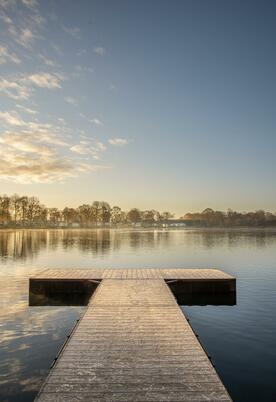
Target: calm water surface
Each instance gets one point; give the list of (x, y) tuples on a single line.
[(241, 339)]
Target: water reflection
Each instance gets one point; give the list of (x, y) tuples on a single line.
[(240, 338), (29, 343), (27, 244)]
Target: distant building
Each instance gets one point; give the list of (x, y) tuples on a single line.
[(75, 225), (62, 225), (173, 223), (137, 224)]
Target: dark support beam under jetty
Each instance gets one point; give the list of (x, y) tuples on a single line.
[(133, 342)]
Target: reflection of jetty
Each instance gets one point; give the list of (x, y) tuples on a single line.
[(133, 343)]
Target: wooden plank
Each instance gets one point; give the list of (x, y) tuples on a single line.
[(133, 344)]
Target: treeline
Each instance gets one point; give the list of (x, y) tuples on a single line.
[(28, 211), (211, 218)]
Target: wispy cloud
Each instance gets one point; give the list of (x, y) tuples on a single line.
[(61, 120), (22, 36), (4, 17), (84, 69), (21, 142), (81, 149), (30, 3), (26, 109), (46, 80), (6, 56), (99, 50), (73, 31), (11, 119), (118, 141), (43, 132), (47, 61), (101, 146), (22, 86), (96, 121), (71, 100), (14, 88), (25, 25), (34, 152), (7, 3), (93, 120), (81, 52), (29, 168), (89, 148)]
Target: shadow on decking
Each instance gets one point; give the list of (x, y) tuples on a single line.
[(202, 293), (61, 292), (78, 292)]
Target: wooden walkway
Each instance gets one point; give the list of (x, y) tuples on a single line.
[(133, 343)]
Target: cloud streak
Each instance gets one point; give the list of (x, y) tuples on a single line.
[(96, 121), (86, 148), (6, 56), (22, 86), (74, 31), (12, 119), (99, 50), (118, 141), (25, 25), (45, 80), (25, 37), (26, 109), (71, 100), (93, 120)]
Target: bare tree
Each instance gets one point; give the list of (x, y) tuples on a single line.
[(86, 214), (54, 215), (5, 215), (105, 212), (134, 215), (15, 204), (117, 215), (70, 215), (166, 215)]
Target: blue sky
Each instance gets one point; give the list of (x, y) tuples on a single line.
[(156, 104)]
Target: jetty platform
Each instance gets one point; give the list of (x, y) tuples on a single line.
[(133, 342)]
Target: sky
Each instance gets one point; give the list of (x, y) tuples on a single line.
[(166, 105)]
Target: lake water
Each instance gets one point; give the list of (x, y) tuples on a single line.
[(241, 339)]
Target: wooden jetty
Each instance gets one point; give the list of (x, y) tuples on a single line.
[(133, 342)]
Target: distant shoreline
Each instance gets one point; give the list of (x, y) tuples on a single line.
[(188, 228)]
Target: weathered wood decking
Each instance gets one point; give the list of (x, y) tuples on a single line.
[(142, 273), (133, 343)]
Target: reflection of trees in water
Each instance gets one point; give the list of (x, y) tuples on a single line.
[(93, 241), (146, 239), (141, 239), (233, 238), (103, 241), (23, 244)]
